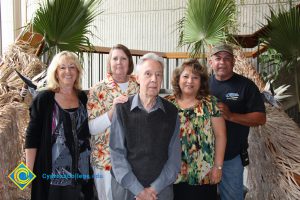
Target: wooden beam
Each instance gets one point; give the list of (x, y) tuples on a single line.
[(105, 50), (168, 55)]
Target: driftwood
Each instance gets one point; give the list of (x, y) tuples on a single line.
[(274, 157), (19, 56), (274, 149), (14, 114), (14, 120)]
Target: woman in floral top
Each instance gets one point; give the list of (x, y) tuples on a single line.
[(118, 85), (202, 133)]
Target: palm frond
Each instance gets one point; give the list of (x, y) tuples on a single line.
[(283, 34), (205, 23), (65, 23)]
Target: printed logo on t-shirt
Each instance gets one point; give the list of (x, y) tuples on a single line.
[(232, 96)]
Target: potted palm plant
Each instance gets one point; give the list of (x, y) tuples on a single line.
[(206, 23), (282, 35), (65, 24)]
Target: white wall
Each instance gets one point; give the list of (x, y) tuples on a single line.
[(139, 24), (151, 24), (143, 24), (7, 24), (28, 8), (14, 15), (251, 13)]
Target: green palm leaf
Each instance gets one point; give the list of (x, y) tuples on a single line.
[(65, 23), (206, 22), (283, 34)]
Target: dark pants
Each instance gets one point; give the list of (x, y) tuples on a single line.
[(119, 193), (184, 191), (65, 193)]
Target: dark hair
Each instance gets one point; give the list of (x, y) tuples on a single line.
[(197, 69), (128, 54)]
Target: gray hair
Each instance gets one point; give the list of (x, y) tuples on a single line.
[(149, 56)]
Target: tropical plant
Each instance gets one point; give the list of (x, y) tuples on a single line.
[(270, 63), (206, 23), (65, 23), (283, 34)]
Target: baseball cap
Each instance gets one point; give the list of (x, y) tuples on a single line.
[(222, 47)]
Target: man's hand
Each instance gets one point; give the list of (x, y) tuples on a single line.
[(147, 194), (226, 113), (152, 192), (245, 119)]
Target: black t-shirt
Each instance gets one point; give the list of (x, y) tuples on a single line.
[(242, 96)]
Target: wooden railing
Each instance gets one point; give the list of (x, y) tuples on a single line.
[(96, 62)]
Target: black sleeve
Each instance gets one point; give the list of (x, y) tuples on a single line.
[(34, 129), (84, 132), (83, 98), (255, 102)]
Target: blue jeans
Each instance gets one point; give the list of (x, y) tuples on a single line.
[(231, 185)]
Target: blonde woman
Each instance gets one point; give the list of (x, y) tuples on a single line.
[(57, 138)]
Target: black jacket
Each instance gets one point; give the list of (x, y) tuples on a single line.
[(38, 135)]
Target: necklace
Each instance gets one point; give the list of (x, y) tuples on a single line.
[(187, 104)]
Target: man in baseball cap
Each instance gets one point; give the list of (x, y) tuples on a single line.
[(222, 47), (241, 106)]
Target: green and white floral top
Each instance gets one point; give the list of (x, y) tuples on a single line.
[(197, 140)]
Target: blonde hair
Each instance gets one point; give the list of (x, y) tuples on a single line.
[(52, 81)]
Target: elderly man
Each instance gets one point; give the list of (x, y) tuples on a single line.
[(241, 106), (144, 140)]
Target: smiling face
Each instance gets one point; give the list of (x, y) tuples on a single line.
[(222, 64), (189, 82), (66, 72), (150, 77), (119, 63)]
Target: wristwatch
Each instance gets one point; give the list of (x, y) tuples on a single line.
[(218, 167)]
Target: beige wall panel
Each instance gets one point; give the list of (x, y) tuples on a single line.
[(251, 13), (139, 24), (151, 25)]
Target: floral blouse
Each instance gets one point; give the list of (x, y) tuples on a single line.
[(100, 100), (197, 140)]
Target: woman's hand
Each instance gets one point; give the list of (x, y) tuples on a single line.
[(117, 100), (215, 175), (219, 129), (30, 157)]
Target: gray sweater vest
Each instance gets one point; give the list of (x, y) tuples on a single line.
[(147, 138)]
